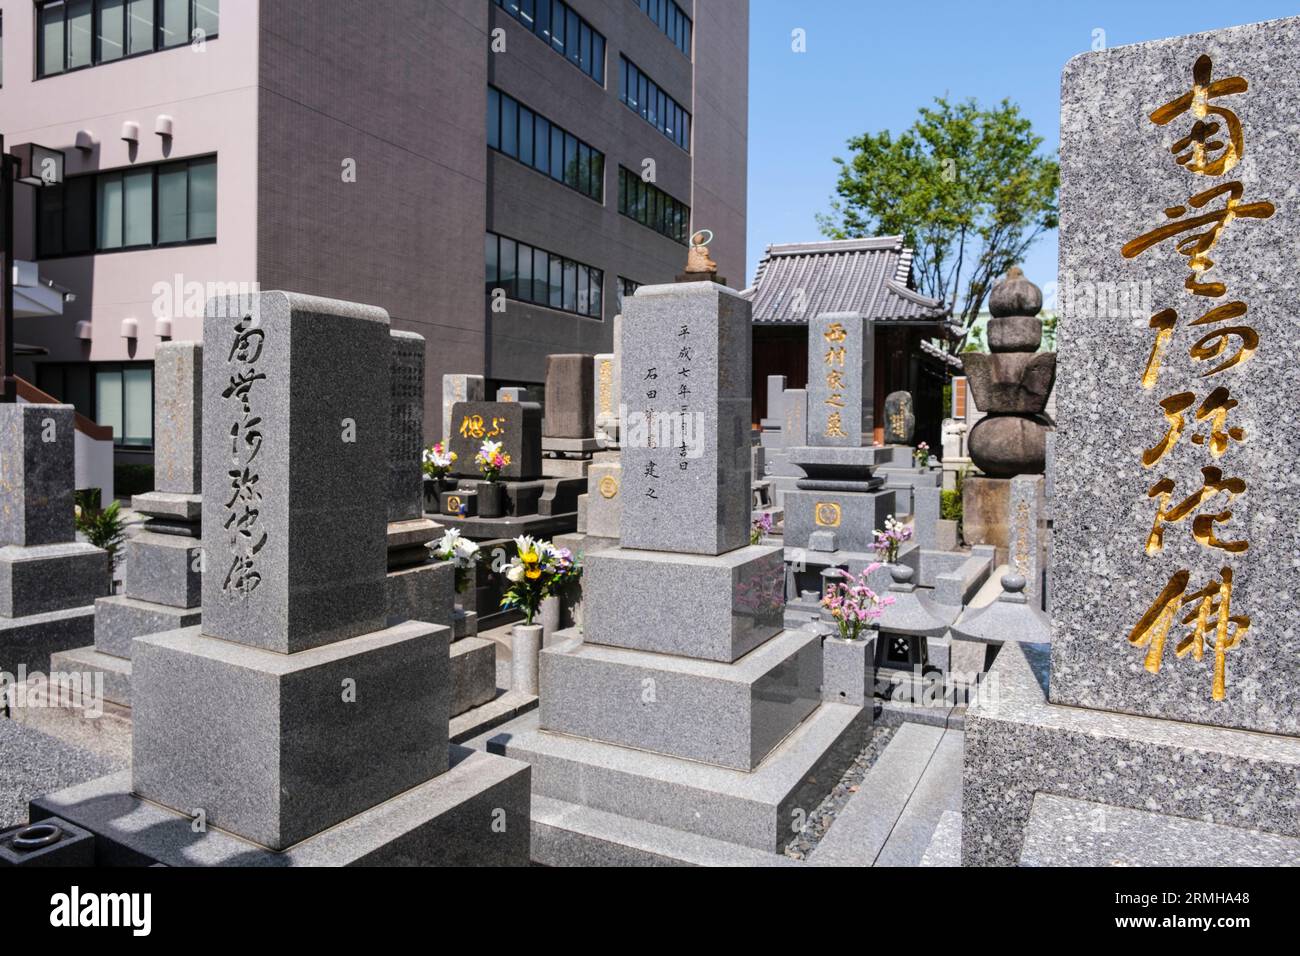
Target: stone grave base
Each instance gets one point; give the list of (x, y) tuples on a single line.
[(598, 803), (32, 639), (114, 672), (473, 673), (985, 504), (1020, 748), (729, 715), (119, 619), (422, 592), (566, 467), (50, 577), (454, 819), (850, 516)]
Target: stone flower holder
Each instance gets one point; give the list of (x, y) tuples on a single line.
[(552, 615), (491, 499), (849, 669), (525, 658)]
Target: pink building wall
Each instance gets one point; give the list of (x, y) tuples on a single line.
[(213, 101)]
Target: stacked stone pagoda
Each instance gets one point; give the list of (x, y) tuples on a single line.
[(164, 560), (684, 715), (48, 580), (294, 726)]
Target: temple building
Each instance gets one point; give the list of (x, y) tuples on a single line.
[(797, 281)]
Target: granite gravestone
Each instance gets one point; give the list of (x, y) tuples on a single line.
[(459, 388), (686, 467), (516, 425), (406, 427), (569, 390), (900, 419), (1177, 407), (839, 378), (795, 428), (178, 432), (290, 562)]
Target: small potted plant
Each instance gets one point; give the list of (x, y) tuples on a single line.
[(922, 455), (849, 663), (462, 553), (761, 526), (102, 527), (491, 461), (438, 459), (537, 571)]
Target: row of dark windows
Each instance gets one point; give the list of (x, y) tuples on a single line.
[(642, 95), (651, 206), (564, 31), (535, 141), (74, 34), (116, 394), (167, 204), (671, 19), (528, 274)]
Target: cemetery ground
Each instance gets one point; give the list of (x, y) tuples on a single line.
[(615, 622)]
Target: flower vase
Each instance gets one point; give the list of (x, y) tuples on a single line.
[(552, 613), (491, 499), (525, 658)]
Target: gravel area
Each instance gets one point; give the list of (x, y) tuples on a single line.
[(820, 820)]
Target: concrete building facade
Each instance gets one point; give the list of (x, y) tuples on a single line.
[(342, 150)]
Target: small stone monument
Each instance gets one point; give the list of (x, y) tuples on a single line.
[(335, 750), (683, 680), (48, 580), (900, 419), (164, 560), (1170, 692), (569, 423)]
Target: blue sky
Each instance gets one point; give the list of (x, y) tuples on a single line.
[(870, 65)]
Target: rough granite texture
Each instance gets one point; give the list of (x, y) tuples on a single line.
[(315, 372), (1065, 832), (1119, 181), (570, 383), (1018, 745), (840, 349), (50, 577), (278, 747), (31, 640), (406, 426), (36, 474), (849, 670), (426, 592), (686, 385), (164, 569), (459, 388), (735, 601), (728, 715), (36, 763), (178, 418), (119, 620)]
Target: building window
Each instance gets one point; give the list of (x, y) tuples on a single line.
[(671, 19), (528, 274), (117, 394), (652, 207), (168, 204), (522, 134), (564, 31), (74, 34), (642, 96), (626, 289)]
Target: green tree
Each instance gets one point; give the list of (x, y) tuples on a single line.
[(965, 186)]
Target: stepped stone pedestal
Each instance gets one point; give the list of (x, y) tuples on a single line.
[(48, 580), (162, 590), (338, 751), (683, 704)]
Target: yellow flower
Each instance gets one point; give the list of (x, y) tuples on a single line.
[(532, 564)]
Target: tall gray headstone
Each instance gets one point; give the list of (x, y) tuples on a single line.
[(795, 428), (178, 419), (837, 379), (606, 396), (294, 539), (1025, 530), (36, 474), (569, 390), (1171, 592), (406, 427), (459, 388), (686, 367)]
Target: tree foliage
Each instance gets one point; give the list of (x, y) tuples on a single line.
[(965, 186)]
